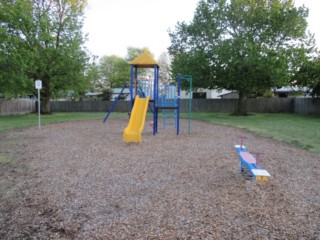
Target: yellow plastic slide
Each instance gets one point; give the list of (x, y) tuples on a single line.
[(133, 132)]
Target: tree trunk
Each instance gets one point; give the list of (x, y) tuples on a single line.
[(242, 105), (45, 104), (46, 95)]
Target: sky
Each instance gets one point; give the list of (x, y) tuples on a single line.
[(114, 25)]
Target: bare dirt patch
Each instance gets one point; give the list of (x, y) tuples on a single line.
[(80, 181)]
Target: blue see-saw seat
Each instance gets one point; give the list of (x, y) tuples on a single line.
[(249, 167)]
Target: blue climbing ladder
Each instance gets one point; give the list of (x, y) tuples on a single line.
[(168, 104)]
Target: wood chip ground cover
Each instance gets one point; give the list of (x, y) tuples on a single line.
[(78, 180)]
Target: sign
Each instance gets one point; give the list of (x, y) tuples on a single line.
[(38, 84)]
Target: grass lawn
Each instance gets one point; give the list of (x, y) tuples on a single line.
[(20, 121), (301, 131)]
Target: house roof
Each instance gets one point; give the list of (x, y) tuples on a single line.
[(290, 89), (226, 94), (91, 94), (118, 90), (144, 61)]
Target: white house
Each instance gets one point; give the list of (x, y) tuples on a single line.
[(124, 96), (204, 93)]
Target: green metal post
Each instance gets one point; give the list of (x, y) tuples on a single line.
[(189, 78), (190, 104)]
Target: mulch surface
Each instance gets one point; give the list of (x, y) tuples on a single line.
[(79, 180)]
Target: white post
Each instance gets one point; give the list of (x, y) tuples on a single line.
[(39, 119), (38, 85)]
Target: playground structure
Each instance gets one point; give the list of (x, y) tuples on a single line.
[(249, 165), (167, 99), (164, 99)]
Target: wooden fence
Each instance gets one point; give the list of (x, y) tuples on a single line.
[(307, 106), (264, 105), (17, 107), (89, 106)]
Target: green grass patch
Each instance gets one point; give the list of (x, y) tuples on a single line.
[(5, 159), (299, 130), (21, 121)]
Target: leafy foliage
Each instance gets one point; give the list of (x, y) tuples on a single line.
[(243, 45), (13, 53), (164, 62), (43, 39), (115, 70), (309, 76), (133, 52)]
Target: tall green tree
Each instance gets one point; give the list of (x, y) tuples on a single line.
[(43, 40), (164, 62), (114, 70), (308, 75), (15, 19), (133, 52), (242, 45)]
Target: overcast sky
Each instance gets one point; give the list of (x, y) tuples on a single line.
[(114, 25)]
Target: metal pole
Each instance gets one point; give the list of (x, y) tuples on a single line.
[(130, 87), (114, 103), (155, 100), (39, 119), (178, 110), (189, 78), (190, 104)]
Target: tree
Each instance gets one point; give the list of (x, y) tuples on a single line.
[(14, 20), (242, 45), (309, 76), (133, 52), (114, 70), (164, 62), (43, 39)]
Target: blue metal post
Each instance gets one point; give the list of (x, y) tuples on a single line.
[(114, 103), (156, 97), (155, 100), (135, 82), (131, 86)]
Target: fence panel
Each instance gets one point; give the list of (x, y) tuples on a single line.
[(267, 105), (88, 106), (263, 105), (270, 105), (209, 105), (17, 107), (307, 106)]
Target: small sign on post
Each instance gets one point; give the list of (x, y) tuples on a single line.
[(38, 85)]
